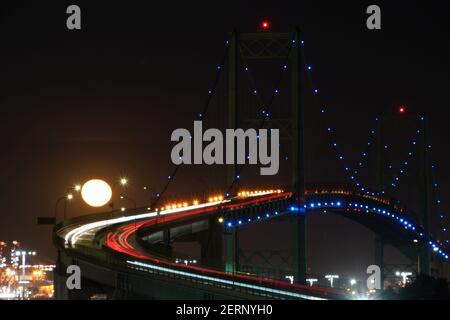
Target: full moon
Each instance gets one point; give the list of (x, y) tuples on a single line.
[(96, 193)]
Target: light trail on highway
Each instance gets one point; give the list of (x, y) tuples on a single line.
[(73, 235), (119, 241), (121, 237), (125, 228)]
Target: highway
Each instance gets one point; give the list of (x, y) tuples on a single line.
[(122, 237), (119, 234)]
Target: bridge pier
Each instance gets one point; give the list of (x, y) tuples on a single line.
[(230, 236), (231, 241), (425, 178), (211, 244), (379, 258), (210, 238), (59, 281), (298, 171), (166, 236), (424, 260), (299, 267)]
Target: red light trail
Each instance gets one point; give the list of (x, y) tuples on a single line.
[(119, 241)]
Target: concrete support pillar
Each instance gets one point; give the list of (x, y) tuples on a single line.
[(425, 177), (231, 242), (59, 282), (212, 245), (379, 258)]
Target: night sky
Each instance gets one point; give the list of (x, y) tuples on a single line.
[(103, 101)]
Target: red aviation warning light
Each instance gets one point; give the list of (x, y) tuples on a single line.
[(265, 25), (402, 109)]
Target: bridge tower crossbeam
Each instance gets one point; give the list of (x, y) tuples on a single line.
[(271, 45)]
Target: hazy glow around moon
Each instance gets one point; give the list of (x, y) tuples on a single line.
[(96, 193)]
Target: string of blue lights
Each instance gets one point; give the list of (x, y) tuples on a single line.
[(345, 204), (394, 183), (441, 216), (199, 116), (351, 174), (364, 156), (396, 179), (265, 111), (256, 93)]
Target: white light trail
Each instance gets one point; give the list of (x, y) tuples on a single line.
[(224, 281), (73, 235)]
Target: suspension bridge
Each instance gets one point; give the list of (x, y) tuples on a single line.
[(130, 254)]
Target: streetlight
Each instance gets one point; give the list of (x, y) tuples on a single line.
[(404, 276), (130, 199), (311, 281), (66, 197), (148, 190), (122, 182), (331, 278), (352, 282), (24, 254), (290, 278), (185, 261)]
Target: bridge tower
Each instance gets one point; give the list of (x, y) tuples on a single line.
[(271, 45), (424, 257), (379, 185), (425, 167), (298, 173), (231, 235)]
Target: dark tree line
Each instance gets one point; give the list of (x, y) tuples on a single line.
[(423, 287)]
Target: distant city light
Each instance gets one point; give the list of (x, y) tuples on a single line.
[(331, 278), (22, 280), (185, 261), (290, 278), (311, 281), (404, 275)]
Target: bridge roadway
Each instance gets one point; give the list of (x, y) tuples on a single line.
[(127, 252)]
